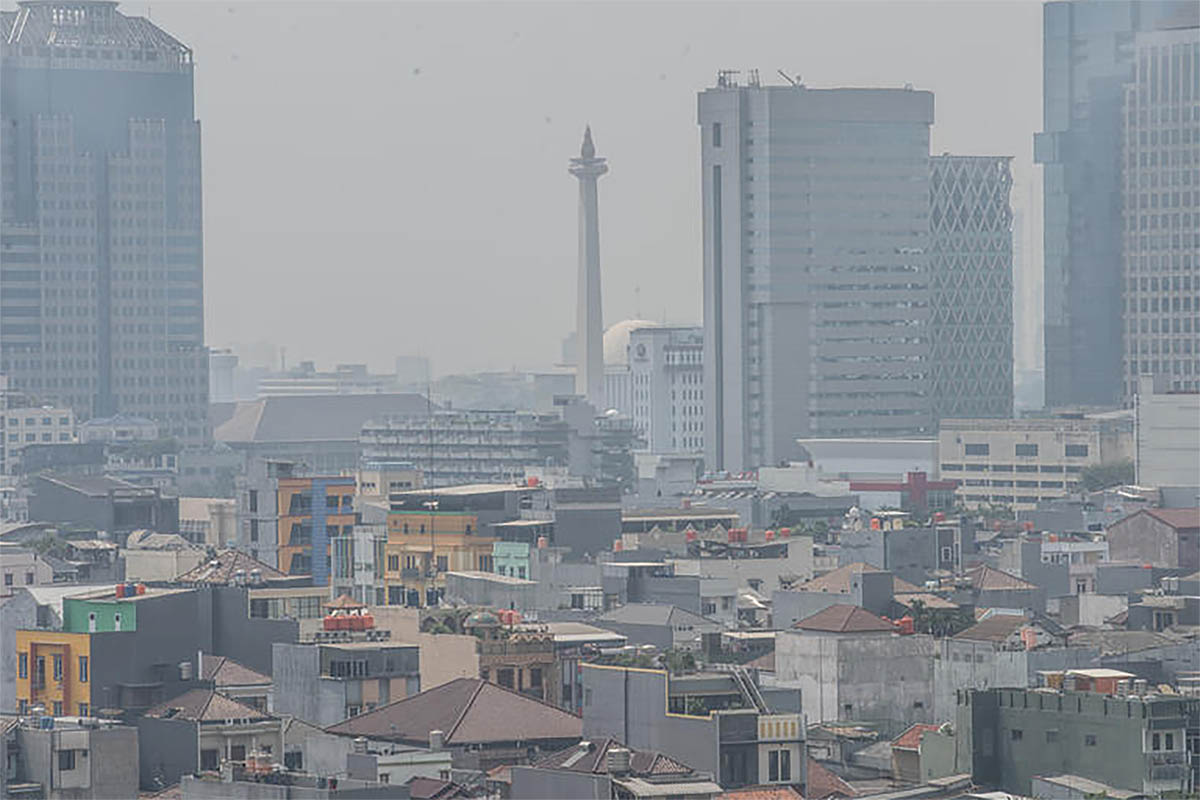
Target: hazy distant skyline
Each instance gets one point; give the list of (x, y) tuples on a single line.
[(387, 178)]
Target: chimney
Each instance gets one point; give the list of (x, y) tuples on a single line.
[(437, 741), (617, 761), (360, 744), (1140, 686)]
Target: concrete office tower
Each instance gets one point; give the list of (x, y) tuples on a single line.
[(666, 371), (101, 218), (589, 337), (1088, 57), (971, 282), (1162, 212), (816, 297)]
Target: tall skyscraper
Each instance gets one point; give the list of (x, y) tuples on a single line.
[(816, 295), (1088, 57), (1161, 201), (102, 279), (971, 282), (589, 337), (666, 370)]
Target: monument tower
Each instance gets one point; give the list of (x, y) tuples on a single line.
[(589, 351)]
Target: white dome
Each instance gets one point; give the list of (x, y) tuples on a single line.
[(616, 340)]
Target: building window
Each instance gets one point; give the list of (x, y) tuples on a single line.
[(83, 709), (785, 765), (442, 564), (66, 760), (848, 709), (535, 680), (977, 449), (22, 665), (504, 677), (1027, 450), (1089, 739), (209, 759), (716, 134), (253, 501), (28, 578), (1051, 737), (8, 579), (237, 752), (1016, 734), (394, 563), (57, 708), (773, 766), (1155, 742), (58, 666), (1077, 451), (254, 530), (1168, 741), (83, 669)]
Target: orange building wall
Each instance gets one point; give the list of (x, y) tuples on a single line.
[(71, 691)]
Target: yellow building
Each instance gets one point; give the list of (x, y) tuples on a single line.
[(311, 512), (53, 670), (424, 545)]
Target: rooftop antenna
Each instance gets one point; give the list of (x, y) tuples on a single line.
[(788, 78)]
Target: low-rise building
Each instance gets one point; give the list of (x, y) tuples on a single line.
[(519, 659), (1019, 463), (742, 735), (1132, 742), (923, 752), (327, 682), (22, 427), (200, 730), (102, 503), (859, 584), (665, 627), (607, 769), (237, 681), (22, 567), (1168, 437), (482, 725), (68, 759), (1163, 537), (850, 664)]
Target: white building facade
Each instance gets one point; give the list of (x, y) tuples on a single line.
[(666, 370)]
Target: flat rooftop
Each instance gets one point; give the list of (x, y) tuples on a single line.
[(493, 577)]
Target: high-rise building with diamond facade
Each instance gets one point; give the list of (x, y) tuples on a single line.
[(101, 286), (1161, 194), (971, 285)]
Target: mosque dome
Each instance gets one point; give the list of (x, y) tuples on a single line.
[(616, 340), (482, 619)]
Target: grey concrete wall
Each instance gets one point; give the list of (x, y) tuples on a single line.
[(167, 750), (113, 754), (682, 591), (865, 546), (300, 690), (245, 639), (196, 789), (1157, 664), (1123, 578), (886, 679), (631, 706), (587, 531), (964, 664), (530, 783), (51, 502), (18, 611), (1053, 579), (112, 761)]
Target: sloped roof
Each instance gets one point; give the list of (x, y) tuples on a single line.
[(838, 581), (931, 601), (422, 788), (1179, 518), (228, 561), (592, 756), (911, 738), (651, 614), (843, 618), (1119, 642), (224, 671), (987, 579), (996, 628), (468, 711), (315, 418), (204, 705), (823, 783)]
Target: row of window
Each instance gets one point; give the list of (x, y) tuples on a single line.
[(57, 666), (1024, 450)]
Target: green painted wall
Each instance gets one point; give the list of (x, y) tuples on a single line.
[(76, 611)]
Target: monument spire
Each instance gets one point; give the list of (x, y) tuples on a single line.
[(589, 320)]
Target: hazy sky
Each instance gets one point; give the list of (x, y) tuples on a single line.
[(386, 178)]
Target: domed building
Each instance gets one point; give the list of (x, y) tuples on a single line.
[(618, 388)]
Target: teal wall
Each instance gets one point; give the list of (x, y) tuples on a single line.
[(76, 611), (511, 558)]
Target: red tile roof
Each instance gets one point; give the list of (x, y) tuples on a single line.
[(1178, 518), (822, 783), (985, 578), (468, 711), (224, 671), (204, 705), (223, 568), (911, 738), (844, 619)]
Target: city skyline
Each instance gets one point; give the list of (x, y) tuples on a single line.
[(259, 212)]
